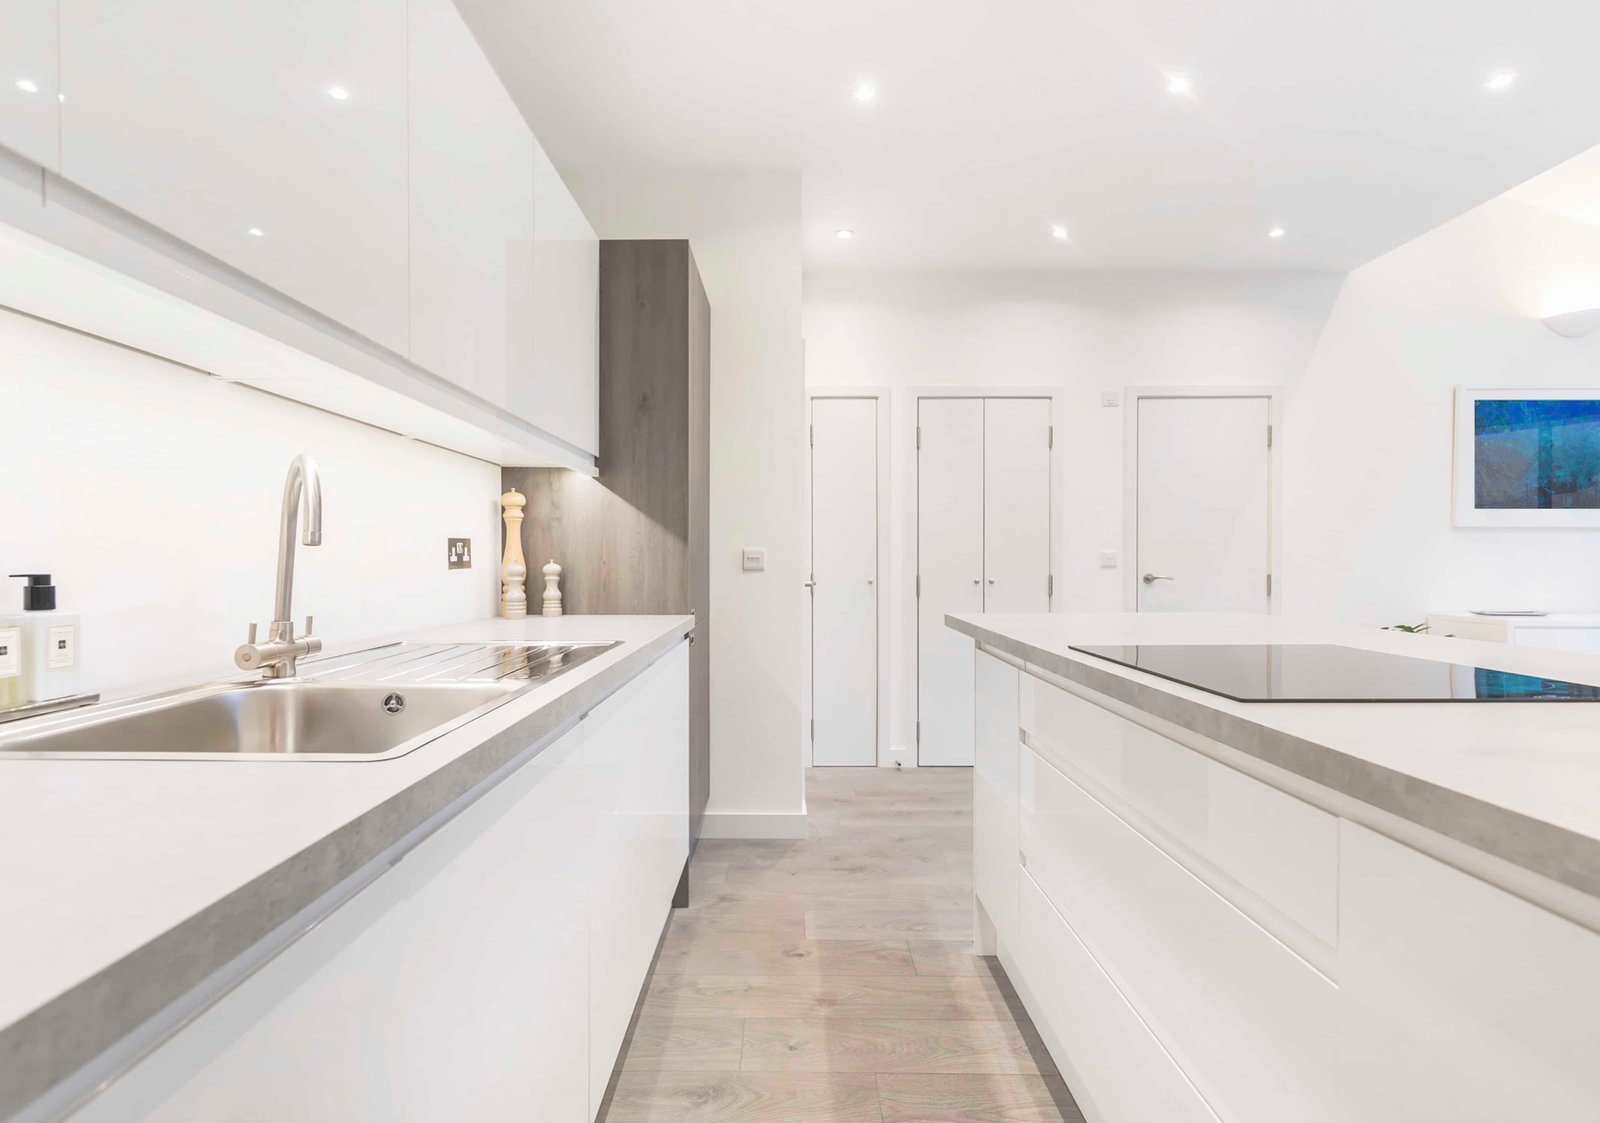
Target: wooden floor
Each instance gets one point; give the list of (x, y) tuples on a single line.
[(832, 978)]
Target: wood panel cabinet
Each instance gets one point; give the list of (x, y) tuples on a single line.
[(30, 94), (271, 136), (471, 217), (642, 536)]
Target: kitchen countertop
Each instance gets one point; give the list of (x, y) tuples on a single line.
[(1517, 781), (127, 883)]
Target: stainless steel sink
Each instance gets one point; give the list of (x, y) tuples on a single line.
[(369, 706)]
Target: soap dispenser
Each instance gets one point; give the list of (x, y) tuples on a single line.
[(42, 647)]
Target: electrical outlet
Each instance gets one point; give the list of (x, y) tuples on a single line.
[(1108, 559), (753, 560), (460, 553), (1111, 398)]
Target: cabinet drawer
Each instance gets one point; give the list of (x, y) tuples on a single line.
[(1119, 1069), (1281, 850), (1244, 1016)]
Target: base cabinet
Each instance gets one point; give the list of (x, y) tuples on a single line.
[(1196, 944), (460, 983)]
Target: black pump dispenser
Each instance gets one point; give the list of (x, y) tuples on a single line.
[(38, 595)]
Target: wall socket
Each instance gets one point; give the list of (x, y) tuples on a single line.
[(1108, 559), (1111, 399), (753, 559), (460, 553)]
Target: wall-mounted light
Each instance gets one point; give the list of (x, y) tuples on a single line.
[(1574, 325)]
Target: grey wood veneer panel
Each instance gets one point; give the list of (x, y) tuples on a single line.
[(636, 540)]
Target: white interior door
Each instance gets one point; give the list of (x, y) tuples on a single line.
[(844, 574), (1016, 505), (1204, 505), (950, 566)]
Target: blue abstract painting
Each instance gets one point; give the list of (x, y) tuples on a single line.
[(1536, 454)]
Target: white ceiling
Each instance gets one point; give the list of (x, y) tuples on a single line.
[(1355, 124)]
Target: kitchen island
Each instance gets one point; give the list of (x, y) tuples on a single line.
[(277, 939), (1221, 910)]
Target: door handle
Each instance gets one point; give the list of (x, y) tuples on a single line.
[(811, 584), (991, 580), (1152, 578)]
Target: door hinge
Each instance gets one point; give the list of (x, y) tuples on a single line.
[(1050, 437), (1050, 585), (1269, 436), (919, 436), (1269, 584), (813, 437), (919, 586), (919, 733), (813, 729)]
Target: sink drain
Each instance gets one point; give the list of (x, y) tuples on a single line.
[(394, 703)]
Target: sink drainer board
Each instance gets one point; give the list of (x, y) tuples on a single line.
[(452, 662), (375, 704)]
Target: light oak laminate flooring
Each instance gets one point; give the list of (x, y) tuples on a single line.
[(832, 978)]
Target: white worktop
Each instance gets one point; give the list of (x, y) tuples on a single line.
[(1517, 781), (126, 881)]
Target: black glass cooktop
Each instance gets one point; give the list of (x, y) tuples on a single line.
[(1314, 672)]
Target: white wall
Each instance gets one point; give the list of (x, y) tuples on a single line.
[(1076, 333), (744, 230), (1368, 532), (151, 492)]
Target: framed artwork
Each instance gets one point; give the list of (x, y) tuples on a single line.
[(1527, 458)]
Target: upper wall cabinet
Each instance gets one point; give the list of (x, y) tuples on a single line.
[(30, 97), (269, 135), (472, 212), (561, 395)]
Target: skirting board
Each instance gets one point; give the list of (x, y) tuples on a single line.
[(771, 824)]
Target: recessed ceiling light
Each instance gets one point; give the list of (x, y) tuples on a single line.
[(1275, 232), (1500, 81), (865, 92), (256, 232), (1058, 232), (1178, 85), (28, 86), (844, 235), (338, 93)]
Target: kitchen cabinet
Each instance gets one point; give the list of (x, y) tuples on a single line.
[(1196, 942), (460, 983), (647, 516), (30, 95), (272, 137), (471, 214), (561, 394)]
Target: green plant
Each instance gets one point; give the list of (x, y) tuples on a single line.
[(1414, 629)]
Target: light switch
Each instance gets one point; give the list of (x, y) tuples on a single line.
[(1108, 559), (753, 560), (1111, 398)]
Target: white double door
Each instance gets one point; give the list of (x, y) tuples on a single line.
[(983, 545), (844, 581), (1204, 499)]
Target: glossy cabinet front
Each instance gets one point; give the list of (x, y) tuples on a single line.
[(471, 212), (271, 136), (30, 100), (562, 393)]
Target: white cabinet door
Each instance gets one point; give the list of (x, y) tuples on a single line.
[(950, 567), (471, 211), (844, 572), (1016, 505), (270, 135), (561, 395), (452, 987), (29, 93), (1204, 505), (995, 867), (639, 741)]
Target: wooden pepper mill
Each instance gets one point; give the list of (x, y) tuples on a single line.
[(513, 567), (552, 592)]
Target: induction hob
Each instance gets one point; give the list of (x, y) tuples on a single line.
[(1315, 672)]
